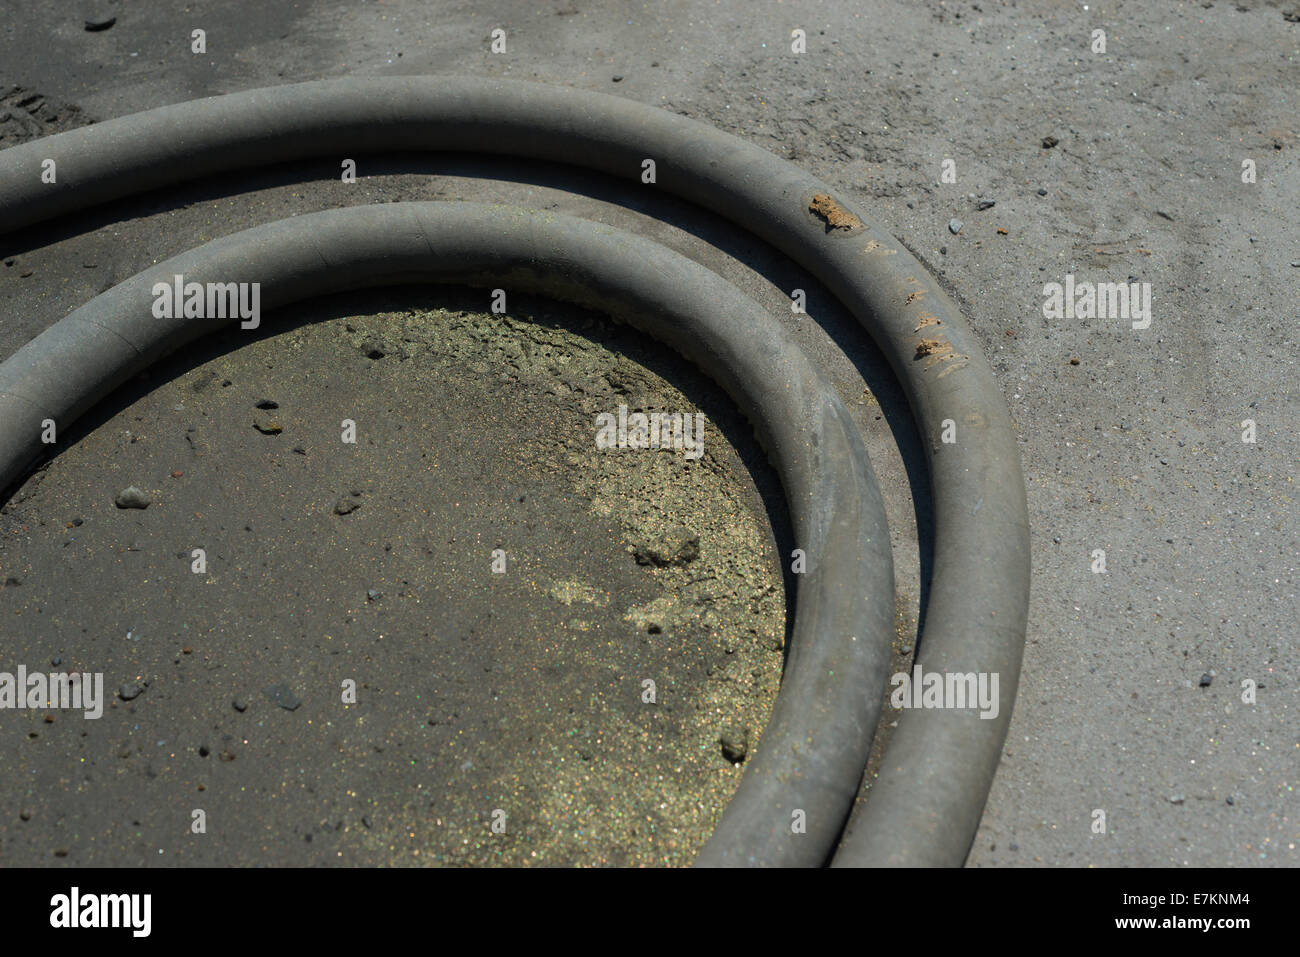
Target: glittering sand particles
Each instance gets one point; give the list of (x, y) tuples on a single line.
[(636, 774)]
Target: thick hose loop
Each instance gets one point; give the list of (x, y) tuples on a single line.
[(817, 740), (927, 802)]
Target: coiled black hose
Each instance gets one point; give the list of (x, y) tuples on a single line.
[(926, 804)]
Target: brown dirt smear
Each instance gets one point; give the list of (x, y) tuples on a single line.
[(932, 347), (940, 351), (835, 215)]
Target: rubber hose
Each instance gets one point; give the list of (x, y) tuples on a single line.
[(820, 731), (926, 804)]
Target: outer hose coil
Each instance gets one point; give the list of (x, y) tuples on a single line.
[(926, 804)]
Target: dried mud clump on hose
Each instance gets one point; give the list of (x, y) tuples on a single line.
[(932, 347), (833, 214)]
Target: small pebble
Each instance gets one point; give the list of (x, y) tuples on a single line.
[(1049, 142), (26, 815), (1042, 192), (984, 204), (97, 24), (280, 694), (676, 545), (266, 404), (373, 594), (129, 692), (131, 497), (239, 704), (1176, 799), (954, 226), (267, 425), (1206, 680), (735, 744), (345, 506)]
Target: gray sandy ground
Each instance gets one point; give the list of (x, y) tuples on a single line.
[(1135, 450)]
